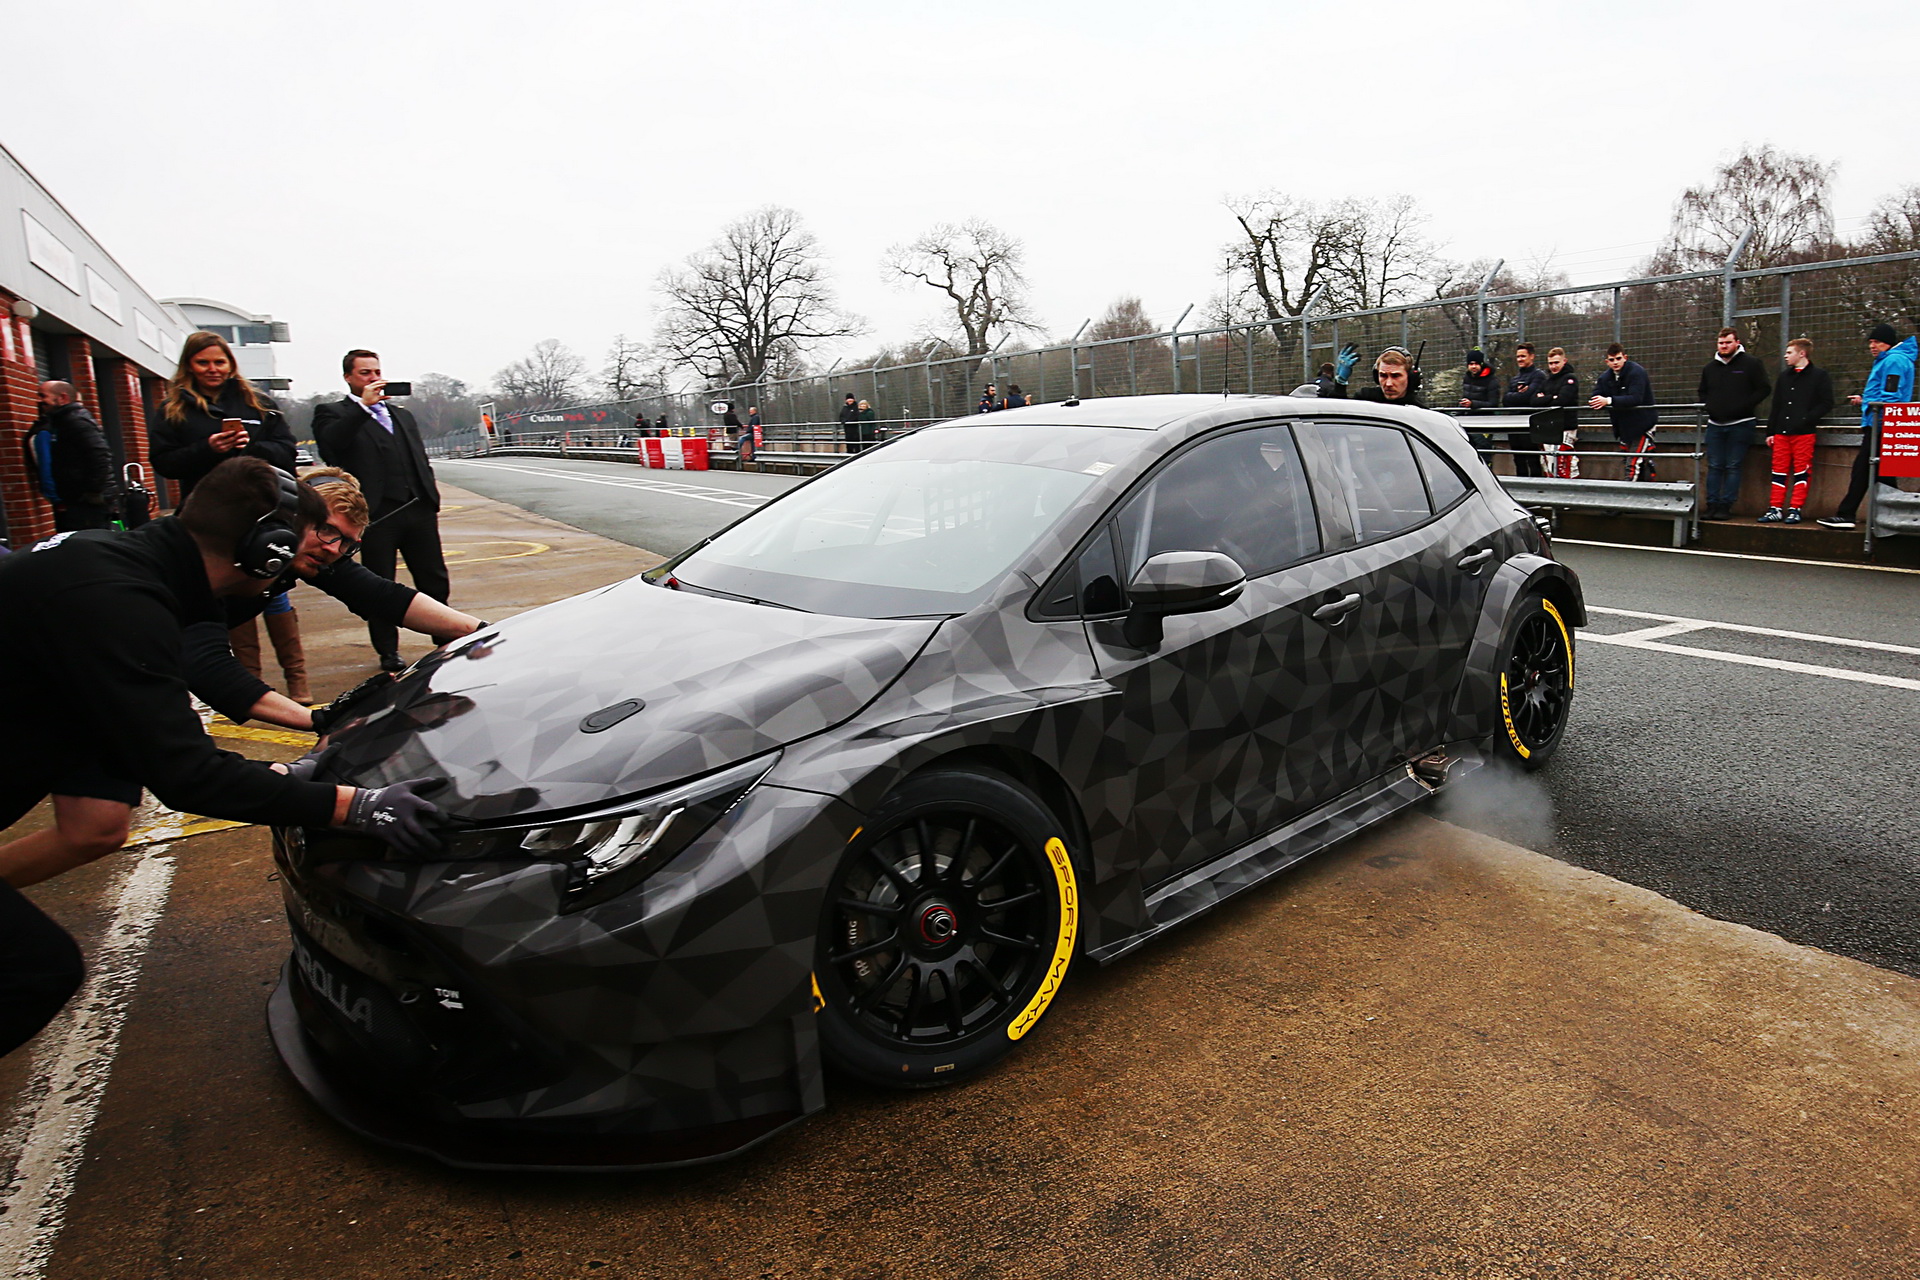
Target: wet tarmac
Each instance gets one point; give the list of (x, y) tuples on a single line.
[(1428, 1053)]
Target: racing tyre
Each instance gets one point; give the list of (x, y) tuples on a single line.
[(1535, 674), (947, 930)]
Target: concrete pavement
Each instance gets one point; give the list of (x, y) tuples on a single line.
[(1427, 1053)]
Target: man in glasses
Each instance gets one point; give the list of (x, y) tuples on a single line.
[(324, 560)]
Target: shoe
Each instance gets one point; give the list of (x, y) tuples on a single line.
[(1772, 515), (392, 664), (1714, 513), (1792, 517), (1835, 522)]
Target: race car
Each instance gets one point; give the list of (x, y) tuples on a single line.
[(857, 782)]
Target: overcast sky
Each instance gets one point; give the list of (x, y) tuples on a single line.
[(450, 182)]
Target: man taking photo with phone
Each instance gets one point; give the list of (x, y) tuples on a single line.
[(378, 441)]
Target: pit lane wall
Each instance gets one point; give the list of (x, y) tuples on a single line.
[(68, 311)]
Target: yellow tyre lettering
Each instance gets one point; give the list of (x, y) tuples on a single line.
[(1506, 713), (1063, 946), (819, 1001), (1564, 637)]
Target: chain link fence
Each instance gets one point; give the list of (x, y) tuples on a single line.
[(1667, 324)]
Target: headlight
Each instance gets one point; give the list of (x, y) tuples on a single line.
[(610, 850)]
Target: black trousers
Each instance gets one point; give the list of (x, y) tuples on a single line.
[(1857, 486), (1526, 455), (40, 969), (411, 533)]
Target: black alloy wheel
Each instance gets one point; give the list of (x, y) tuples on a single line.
[(948, 927), (1536, 682)]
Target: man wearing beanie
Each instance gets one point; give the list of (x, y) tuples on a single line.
[(1480, 389), (1890, 381)]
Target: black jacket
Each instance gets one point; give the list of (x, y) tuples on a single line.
[(1562, 390), (1377, 396), (1630, 396), (80, 461), (1482, 391), (217, 677), (180, 449), (90, 658), (1800, 399), (1525, 385), (1732, 389), (345, 432), (849, 413), (1329, 389)]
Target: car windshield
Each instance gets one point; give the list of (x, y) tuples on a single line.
[(927, 525)]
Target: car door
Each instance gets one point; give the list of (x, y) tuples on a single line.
[(1419, 563), (1219, 727)]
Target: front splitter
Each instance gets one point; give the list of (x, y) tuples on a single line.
[(491, 1145)]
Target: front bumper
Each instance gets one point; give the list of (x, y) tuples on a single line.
[(454, 1010)]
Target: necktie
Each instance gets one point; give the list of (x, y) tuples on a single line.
[(381, 415)]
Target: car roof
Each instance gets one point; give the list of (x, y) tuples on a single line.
[(1154, 413)]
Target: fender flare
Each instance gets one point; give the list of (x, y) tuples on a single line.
[(1479, 695)]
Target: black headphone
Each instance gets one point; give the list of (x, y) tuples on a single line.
[(267, 549)]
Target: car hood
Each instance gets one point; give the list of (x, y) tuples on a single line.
[(616, 693)]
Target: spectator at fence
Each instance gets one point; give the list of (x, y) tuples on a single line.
[(1732, 386), (989, 400), (1330, 387), (868, 432), (850, 423), (1016, 398), (1562, 391), (660, 427), (1890, 381), (1480, 389), (1626, 393), (1802, 397), (69, 460), (1525, 384), (1393, 375)]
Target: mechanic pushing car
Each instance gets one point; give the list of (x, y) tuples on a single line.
[(93, 707)]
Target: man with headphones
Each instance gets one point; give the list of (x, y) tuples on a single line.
[(93, 707), (1396, 381)]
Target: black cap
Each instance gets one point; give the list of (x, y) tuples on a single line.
[(1883, 332), (1477, 356)]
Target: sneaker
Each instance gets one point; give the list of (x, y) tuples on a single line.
[(1792, 517), (1714, 513), (1835, 522), (1772, 515)]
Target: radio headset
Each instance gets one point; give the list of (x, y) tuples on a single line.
[(266, 550)]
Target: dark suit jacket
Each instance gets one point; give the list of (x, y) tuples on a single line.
[(343, 430)]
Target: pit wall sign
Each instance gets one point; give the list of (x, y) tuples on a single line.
[(1900, 440)]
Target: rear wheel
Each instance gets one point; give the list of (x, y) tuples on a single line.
[(1535, 683), (947, 930)]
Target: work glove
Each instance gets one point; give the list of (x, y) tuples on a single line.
[(1343, 363), (303, 769), (399, 814), (334, 713)]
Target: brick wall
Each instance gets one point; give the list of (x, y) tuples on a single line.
[(80, 362), (28, 517), (129, 413)]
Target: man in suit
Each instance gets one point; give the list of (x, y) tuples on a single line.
[(377, 441)]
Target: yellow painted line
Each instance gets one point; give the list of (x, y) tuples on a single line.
[(460, 552), (285, 737), (176, 826)]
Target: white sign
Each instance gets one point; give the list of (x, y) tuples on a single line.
[(146, 330), (45, 251), (104, 297)]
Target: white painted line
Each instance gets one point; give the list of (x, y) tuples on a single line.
[(702, 493), (1655, 633), (1696, 624), (1735, 555), (48, 1137), (1749, 660)]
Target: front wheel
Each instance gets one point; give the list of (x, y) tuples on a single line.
[(1535, 674), (947, 930)]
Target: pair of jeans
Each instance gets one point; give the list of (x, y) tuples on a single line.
[(1727, 449), (1857, 484)]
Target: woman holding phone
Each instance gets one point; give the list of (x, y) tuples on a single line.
[(211, 413)]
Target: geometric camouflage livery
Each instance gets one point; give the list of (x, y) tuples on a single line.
[(457, 1008)]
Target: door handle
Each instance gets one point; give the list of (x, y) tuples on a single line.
[(1474, 559), (1334, 610)]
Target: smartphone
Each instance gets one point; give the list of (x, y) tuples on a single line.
[(398, 389)]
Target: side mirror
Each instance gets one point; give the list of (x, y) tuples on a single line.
[(1178, 582)]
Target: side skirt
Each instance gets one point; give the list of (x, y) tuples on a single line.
[(1198, 891)]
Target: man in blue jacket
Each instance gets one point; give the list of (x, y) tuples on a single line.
[(1626, 393), (1890, 381)]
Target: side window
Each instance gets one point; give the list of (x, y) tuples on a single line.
[(1244, 495), (1382, 486), (1443, 482), (1088, 586)]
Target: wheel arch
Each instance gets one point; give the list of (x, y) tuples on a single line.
[(1512, 582)]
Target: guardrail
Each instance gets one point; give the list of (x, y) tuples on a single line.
[(1675, 499), (1895, 511)]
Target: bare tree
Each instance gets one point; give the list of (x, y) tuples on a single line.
[(978, 267), (1365, 253), (632, 370), (549, 375), (1886, 290), (755, 297), (441, 404), (1781, 196), (1126, 318)]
